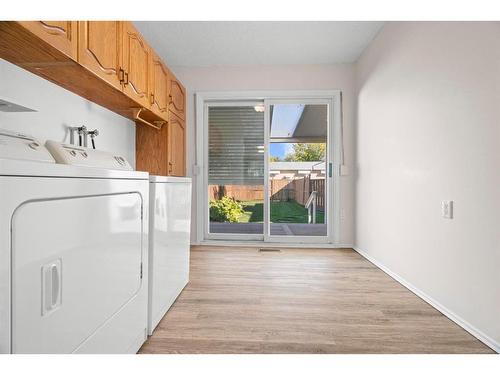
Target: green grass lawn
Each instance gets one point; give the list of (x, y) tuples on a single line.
[(281, 212)]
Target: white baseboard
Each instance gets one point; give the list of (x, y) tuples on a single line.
[(454, 317), (273, 244)]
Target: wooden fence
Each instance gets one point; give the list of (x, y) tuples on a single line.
[(303, 188), (281, 191), (319, 186), (238, 192)]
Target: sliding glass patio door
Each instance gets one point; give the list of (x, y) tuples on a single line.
[(235, 173), (298, 161), (268, 170)]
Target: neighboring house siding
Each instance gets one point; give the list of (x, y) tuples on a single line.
[(292, 170), (293, 175)]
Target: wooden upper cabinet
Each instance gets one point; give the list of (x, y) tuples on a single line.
[(111, 64), (99, 49), (176, 146), (177, 97), (159, 86), (60, 34), (136, 58)]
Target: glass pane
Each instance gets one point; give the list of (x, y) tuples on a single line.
[(297, 169), (236, 169)]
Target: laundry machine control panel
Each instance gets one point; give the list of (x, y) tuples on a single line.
[(86, 157), (20, 146)]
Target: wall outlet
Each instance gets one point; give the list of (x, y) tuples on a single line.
[(447, 209)]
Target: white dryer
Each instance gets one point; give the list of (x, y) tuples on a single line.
[(73, 253), (169, 243)]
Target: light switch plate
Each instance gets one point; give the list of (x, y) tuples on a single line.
[(447, 209)]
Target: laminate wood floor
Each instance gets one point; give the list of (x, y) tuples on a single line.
[(240, 300)]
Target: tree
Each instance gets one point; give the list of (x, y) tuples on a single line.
[(307, 152), (274, 158)]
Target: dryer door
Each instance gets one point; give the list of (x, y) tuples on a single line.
[(76, 262)]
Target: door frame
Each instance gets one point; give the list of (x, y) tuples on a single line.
[(200, 171)]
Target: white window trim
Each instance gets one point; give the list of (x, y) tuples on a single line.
[(202, 97)]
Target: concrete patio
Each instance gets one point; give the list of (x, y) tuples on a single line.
[(277, 229)]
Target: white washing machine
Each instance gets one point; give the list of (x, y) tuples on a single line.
[(169, 243), (73, 252)]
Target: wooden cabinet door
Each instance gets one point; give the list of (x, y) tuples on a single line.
[(176, 146), (159, 86), (177, 97), (59, 34), (136, 55), (99, 49), (151, 150)]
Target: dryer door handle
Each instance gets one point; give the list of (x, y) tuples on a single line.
[(51, 286), (56, 285)]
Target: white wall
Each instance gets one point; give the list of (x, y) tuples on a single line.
[(428, 129), (288, 77), (58, 108)]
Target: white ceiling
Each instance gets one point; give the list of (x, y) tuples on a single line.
[(258, 43)]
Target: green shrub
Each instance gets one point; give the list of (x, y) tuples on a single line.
[(225, 210)]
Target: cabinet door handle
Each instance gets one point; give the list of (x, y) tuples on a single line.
[(152, 99), (126, 78), (169, 167), (121, 75), (170, 99)]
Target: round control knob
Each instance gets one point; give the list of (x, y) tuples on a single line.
[(84, 154), (34, 145), (72, 153)]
